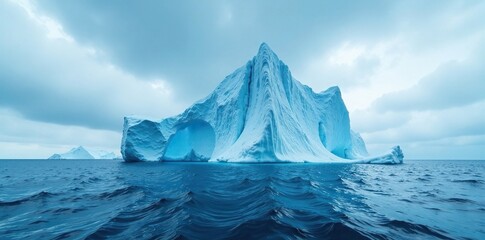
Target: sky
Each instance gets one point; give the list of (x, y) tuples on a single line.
[(411, 72)]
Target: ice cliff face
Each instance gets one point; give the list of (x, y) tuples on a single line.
[(259, 113)]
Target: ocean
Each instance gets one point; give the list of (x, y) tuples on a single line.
[(107, 199)]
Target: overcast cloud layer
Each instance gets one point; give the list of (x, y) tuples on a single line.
[(411, 72)]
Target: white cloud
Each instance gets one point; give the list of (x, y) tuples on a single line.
[(452, 84), (366, 121), (347, 54), (53, 28)]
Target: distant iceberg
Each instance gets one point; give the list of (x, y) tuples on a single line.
[(259, 113), (81, 153)]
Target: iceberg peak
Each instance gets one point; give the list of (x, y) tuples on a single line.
[(264, 49), (266, 54), (259, 113), (75, 153), (78, 149)]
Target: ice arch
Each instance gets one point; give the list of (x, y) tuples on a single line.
[(194, 140)]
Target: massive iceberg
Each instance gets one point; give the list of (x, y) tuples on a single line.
[(259, 113)]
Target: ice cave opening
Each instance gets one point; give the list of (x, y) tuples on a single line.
[(193, 140)]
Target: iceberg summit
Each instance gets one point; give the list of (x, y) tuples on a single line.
[(259, 113)]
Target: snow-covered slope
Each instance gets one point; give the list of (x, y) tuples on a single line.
[(259, 113), (82, 153)]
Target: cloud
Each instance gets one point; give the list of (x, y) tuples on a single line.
[(22, 138), (434, 118), (453, 84), (349, 65), (198, 43), (54, 79), (370, 121), (456, 148), (88, 63), (432, 125), (452, 133)]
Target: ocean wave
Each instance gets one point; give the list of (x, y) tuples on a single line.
[(472, 181), (459, 200), (37, 196), (119, 192), (219, 201), (414, 228)]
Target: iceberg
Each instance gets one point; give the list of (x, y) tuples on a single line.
[(82, 153), (102, 154), (75, 153), (259, 113)]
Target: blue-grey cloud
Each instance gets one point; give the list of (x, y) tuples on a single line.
[(154, 58), (55, 81), (198, 43)]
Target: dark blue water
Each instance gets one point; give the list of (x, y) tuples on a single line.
[(95, 199)]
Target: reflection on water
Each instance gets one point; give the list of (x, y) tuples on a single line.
[(99, 199)]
